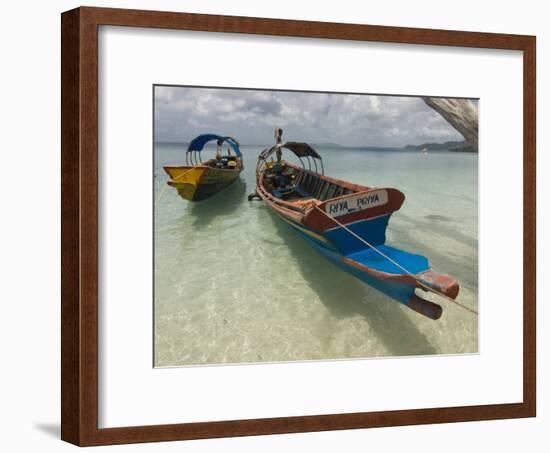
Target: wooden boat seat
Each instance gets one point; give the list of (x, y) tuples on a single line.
[(370, 258)]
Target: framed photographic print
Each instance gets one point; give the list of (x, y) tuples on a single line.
[(276, 226)]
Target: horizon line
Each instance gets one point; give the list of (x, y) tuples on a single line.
[(336, 145)]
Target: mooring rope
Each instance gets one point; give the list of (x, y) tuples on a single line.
[(410, 274), (166, 185)]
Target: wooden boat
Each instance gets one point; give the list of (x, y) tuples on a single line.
[(198, 180), (347, 224)]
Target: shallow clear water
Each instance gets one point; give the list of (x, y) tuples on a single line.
[(234, 284)]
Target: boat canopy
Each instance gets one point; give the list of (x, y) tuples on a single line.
[(197, 144), (193, 154), (300, 149)]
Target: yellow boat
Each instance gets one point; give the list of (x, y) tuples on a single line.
[(197, 180)]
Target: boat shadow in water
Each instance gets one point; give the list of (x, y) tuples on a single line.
[(345, 296), (221, 204)]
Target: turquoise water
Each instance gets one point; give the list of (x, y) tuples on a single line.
[(234, 284)]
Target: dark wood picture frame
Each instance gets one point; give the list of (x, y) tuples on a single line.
[(79, 216)]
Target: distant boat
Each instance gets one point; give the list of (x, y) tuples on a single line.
[(425, 151), (198, 180), (347, 224)]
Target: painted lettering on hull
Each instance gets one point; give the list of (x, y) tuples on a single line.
[(355, 203)]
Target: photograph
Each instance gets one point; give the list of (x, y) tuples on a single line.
[(271, 227), (298, 226)]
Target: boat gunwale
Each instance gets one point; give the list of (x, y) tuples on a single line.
[(282, 206), (303, 211), (340, 182), (203, 167), (299, 214), (291, 206), (279, 206), (403, 279), (406, 279)]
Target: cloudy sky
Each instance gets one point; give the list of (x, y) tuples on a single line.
[(251, 116)]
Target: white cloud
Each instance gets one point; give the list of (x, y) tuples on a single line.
[(181, 113)]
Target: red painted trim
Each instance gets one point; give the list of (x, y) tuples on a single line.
[(320, 222), (440, 282), (282, 207)]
